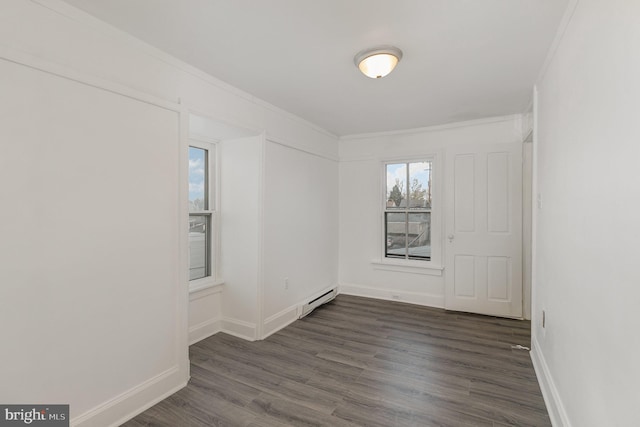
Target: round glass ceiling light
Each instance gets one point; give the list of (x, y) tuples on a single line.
[(379, 61)]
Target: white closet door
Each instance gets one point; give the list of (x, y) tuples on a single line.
[(484, 230)]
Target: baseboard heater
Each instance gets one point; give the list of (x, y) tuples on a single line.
[(317, 302)]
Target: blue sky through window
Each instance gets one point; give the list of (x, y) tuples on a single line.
[(197, 164)]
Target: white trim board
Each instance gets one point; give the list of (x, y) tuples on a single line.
[(434, 128), (284, 318), (249, 331), (262, 185), (284, 143), (407, 267), (215, 287), (562, 28), (134, 401), (204, 330), (45, 66), (428, 300), (239, 328), (552, 400), (280, 320)]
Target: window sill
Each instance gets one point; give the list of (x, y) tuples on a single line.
[(203, 287), (404, 266)]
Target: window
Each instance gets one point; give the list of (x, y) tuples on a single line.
[(201, 211), (407, 212)]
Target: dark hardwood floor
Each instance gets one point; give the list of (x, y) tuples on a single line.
[(363, 362)]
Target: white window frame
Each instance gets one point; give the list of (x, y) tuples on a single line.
[(433, 266), (213, 195)]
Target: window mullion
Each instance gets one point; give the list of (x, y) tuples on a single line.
[(406, 218), (406, 234)]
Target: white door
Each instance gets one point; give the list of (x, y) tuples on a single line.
[(483, 266)]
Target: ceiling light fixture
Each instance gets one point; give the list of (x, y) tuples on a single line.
[(379, 61)]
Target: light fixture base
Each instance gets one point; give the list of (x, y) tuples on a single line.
[(379, 61)]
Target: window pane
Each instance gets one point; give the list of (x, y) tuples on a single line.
[(397, 185), (197, 179), (420, 185), (396, 231), (198, 246), (419, 235)]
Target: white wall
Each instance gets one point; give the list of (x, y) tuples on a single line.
[(205, 298), (279, 221), (240, 209), (361, 232), (586, 263), (205, 313), (527, 203), (113, 332), (93, 266), (300, 230)]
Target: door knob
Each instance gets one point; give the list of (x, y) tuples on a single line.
[(450, 237)]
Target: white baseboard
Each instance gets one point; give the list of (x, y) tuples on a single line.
[(428, 300), (204, 330), (134, 401), (557, 412), (273, 324), (239, 328)]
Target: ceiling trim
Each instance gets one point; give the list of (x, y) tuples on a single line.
[(562, 28), (283, 142), (434, 128), (25, 59)]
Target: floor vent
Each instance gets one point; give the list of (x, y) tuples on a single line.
[(317, 302)]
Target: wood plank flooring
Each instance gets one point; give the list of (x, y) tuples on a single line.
[(362, 362)]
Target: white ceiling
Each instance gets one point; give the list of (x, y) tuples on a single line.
[(463, 59)]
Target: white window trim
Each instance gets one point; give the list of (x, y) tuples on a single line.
[(213, 281), (198, 285), (407, 266), (434, 266)]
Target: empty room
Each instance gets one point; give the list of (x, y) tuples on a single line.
[(319, 213)]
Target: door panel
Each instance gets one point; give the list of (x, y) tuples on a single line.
[(498, 192), (498, 278), (484, 236), (464, 193), (465, 271)]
